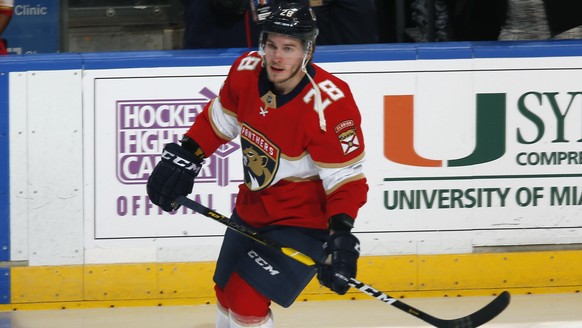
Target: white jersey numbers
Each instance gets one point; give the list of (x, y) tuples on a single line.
[(331, 90), (249, 63)]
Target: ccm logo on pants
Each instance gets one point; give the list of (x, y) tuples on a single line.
[(262, 263)]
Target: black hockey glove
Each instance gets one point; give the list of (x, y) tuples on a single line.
[(344, 249), (173, 176)]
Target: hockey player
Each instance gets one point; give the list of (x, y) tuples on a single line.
[(303, 149)]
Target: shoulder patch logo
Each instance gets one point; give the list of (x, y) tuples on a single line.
[(349, 141), (260, 159), (344, 125)]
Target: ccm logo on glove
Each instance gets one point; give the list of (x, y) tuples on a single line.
[(179, 161)]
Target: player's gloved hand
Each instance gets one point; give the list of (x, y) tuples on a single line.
[(344, 250), (173, 176)]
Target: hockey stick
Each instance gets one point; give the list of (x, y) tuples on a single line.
[(476, 319)]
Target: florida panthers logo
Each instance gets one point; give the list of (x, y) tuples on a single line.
[(260, 159)]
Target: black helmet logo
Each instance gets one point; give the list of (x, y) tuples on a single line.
[(293, 19)]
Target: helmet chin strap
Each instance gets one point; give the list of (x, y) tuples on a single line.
[(318, 107)]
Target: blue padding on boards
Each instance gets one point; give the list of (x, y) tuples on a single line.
[(170, 58), (4, 285), (40, 62), (323, 54), (527, 49)]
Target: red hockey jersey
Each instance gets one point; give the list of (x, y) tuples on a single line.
[(294, 172)]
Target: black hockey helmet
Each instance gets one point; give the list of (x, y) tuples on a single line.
[(292, 19)]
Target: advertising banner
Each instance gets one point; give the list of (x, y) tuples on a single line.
[(134, 118), (480, 152), (459, 155), (35, 27)]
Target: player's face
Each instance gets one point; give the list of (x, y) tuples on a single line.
[(283, 57)]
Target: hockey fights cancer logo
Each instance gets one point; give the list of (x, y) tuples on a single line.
[(144, 127)]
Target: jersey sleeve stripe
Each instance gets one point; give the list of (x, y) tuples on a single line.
[(224, 122), (353, 161), (343, 182), (333, 178)]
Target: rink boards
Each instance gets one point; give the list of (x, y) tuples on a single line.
[(473, 161)]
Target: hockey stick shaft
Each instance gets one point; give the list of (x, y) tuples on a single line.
[(476, 319)]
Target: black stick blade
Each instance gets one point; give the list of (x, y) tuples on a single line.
[(479, 318)]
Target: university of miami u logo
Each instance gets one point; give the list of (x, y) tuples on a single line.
[(399, 132)]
